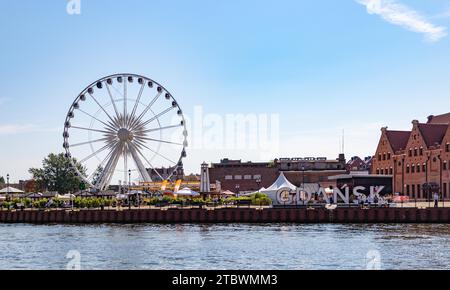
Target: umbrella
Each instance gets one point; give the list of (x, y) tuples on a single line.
[(227, 192)]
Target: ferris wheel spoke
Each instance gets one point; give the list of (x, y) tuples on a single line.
[(91, 176), (162, 141), (93, 130), (155, 152), (125, 101), (103, 109), (137, 121), (90, 142), (148, 162), (133, 112), (112, 101), (158, 115), (95, 153), (111, 127), (161, 128)]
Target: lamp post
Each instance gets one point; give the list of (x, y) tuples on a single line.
[(237, 189), (129, 185), (7, 186)]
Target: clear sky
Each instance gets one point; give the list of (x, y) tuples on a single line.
[(322, 66)]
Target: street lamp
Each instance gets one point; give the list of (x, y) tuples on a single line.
[(129, 185), (237, 189), (7, 185)]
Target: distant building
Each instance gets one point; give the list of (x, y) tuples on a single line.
[(238, 176), (164, 172), (358, 164), (416, 158)]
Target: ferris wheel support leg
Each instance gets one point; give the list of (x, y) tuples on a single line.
[(142, 170), (107, 173)]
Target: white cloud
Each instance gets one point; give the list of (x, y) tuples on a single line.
[(15, 129), (399, 14)]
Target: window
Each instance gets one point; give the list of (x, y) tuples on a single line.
[(419, 189), (247, 177), (410, 153), (228, 177), (424, 167), (389, 156), (413, 190), (258, 176), (378, 171), (384, 156), (421, 151), (415, 151), (407, 189), (238, 177), (391, 171), (445, 189), (407, 168), (447, 147), (444, 165), (413, 169), (379, 157), (418, 168)]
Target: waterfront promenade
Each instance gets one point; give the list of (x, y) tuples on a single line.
[(230, 215)]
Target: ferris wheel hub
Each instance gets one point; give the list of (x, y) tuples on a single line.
[(125, 135)]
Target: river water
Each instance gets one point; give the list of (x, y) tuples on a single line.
[(225, 246)]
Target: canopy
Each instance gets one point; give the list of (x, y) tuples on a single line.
[(227, 192), (281, 182), (187, 191), (2, 197), (10, 189)]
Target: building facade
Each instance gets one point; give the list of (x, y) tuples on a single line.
[(416, 159), (238, 176)]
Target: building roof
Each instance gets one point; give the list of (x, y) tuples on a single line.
[(398, 139), (439, 119), (433, 133)]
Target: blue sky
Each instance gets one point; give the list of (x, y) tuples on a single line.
[(322, 65)]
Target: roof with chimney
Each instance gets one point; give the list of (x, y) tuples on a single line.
[(439, 119), (433, 133), (398, 139)]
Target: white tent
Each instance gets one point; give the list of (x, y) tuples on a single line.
[(280, 183), (10, 189), (187, 192)]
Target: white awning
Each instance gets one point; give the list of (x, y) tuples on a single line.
[(10, 189)]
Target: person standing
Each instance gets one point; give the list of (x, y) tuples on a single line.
[(436, 199)]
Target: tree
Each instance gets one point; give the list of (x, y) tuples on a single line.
[(2, 180), (57, 174)]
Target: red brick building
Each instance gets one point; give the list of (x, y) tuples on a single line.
[(416, 158), (238, 176)]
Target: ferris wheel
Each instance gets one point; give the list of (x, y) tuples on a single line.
[(125, 128)]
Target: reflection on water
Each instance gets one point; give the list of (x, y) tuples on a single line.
[(225, 246)]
